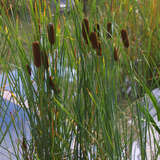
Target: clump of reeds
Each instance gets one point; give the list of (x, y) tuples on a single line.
[(109, 30), (125, 39), (51, 33), (85, 29), (36, 54)]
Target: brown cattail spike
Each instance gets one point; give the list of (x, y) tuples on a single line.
[(45, 60), (124, 36), (116, 58), (97, 29), (99, 50), (51, 33), (94, 40), (109, 30), (28, 69), (85, 29), (36, 53)]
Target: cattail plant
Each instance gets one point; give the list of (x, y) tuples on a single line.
[(116, 58), (95, 43), (94, 40), (45, 60), (85, 29), (28, 69), (36, 53), (124, 37), (97, 29), (51, 33), (109, 30), (99, 50)]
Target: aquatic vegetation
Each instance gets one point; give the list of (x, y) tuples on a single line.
[(75, 76)]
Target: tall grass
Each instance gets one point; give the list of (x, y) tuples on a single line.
[(73, 76)]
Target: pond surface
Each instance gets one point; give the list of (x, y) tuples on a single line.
[(10, 109), (11, 112)]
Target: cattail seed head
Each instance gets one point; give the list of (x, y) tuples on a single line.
[(109, 30), (94, 40), (85, 29), (53, 86), (51, 33), (116, 58), (28, 69), (99, 50), (36, 53), (45, 60), (124, 37), (97, 29)]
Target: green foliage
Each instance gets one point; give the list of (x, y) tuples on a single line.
[(76, 100)]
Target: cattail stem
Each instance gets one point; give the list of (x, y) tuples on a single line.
[(85, 7)]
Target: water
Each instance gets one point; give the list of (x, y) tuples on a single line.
[(9, 108)]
